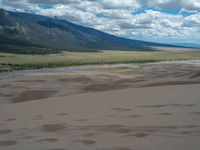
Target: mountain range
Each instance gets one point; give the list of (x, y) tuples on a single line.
[(35, 34)]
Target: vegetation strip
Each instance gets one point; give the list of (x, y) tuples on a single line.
[(11, 62)]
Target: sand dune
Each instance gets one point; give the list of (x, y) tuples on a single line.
[(144, 107), (164, 117), (40, 84)]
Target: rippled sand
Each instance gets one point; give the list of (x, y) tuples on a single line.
[(145, 107), (45, 83)]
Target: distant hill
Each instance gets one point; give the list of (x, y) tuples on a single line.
[(35, 34), (192, 45)]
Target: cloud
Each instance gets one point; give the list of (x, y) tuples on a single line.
[(54, 1), (139, 19), (192, 21), (189, 5), (119, 4)]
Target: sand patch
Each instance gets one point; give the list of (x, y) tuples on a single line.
[(52, 127), (57, 149), (33, 95), (85, 142), (168, 105), (102, 87), (82, 79), (8, 143), (167, 83), (113, 128), (195, 75), (116, 148), (62, 114), (5, 86), (5, 131), (164, 114), (139, 135), (133, 116), (90, 134), (11, 119), (121, 109), (154, 106), (130, 80), (81, 120), (195, 113), (190, 105), (27, 137), (48, 140), (30, 81)]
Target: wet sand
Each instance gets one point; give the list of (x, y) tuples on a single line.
[(143, 107)]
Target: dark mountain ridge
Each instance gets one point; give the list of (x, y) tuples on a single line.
[(30, 33)]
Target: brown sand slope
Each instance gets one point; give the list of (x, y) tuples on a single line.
[(149, 118), (86, 79)]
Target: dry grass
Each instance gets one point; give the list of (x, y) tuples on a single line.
[(9, 62)]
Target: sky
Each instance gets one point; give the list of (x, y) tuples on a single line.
[(166, 21)]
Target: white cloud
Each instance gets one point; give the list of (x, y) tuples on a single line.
[(192, 21), (119, 4), (189, 5), (116, 16), (54, 1)]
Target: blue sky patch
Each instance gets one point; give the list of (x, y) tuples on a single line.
[(142, 10), (101, 15), (166, 11), (43, 6)]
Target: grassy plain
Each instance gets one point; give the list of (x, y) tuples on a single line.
[(10, 62)]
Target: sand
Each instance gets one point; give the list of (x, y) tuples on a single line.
[(45, 83), (154, 107), (165, 117)]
